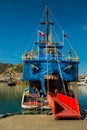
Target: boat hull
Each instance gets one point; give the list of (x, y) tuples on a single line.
[(33, 102), (12, 84)]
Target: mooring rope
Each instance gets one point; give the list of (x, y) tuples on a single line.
[(9, 114)]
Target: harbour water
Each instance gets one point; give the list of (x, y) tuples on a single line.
[(10, 97)]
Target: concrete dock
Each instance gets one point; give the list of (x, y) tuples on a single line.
[(40, 122)]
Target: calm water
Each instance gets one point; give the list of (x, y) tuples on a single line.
[(10, 97)]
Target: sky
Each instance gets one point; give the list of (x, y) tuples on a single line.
[(20, 18)]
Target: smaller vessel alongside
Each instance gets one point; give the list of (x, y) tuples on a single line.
[(33, 99)]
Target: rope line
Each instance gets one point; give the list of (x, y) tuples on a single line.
[(61, 76)]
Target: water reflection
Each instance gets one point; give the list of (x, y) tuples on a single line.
[(82, 97), (10, 97), (81, 93)]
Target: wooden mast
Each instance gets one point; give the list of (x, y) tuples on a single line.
[(47, 23)]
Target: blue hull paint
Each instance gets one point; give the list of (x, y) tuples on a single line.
[(39, 69)]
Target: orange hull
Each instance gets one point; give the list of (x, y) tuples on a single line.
[(63, 106)]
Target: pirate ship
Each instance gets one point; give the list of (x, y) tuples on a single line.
[(49, 71)]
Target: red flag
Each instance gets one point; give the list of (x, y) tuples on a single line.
[(41, 33)]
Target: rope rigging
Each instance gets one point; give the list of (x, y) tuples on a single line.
[(60, 72)]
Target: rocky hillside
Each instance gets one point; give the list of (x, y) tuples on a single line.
[(4, 67), (13, 68), (8, 71), (16, 68)]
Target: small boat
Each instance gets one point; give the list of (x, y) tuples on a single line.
[(32, 99), (11, 83), (50, 70)]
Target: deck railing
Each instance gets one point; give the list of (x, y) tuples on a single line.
[(49, 56)]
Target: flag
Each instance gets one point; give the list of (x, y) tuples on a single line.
[(41, 33)]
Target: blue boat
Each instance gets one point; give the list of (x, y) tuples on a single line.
[(49, 71)]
